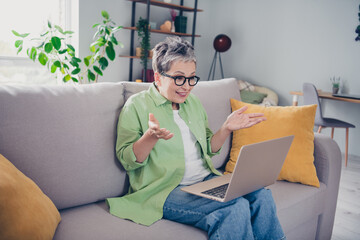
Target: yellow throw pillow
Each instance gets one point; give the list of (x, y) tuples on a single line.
[(281, 122), (25, 211)]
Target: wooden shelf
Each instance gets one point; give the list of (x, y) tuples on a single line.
[(168, 5), (164, 32)]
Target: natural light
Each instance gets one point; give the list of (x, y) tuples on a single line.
[(25, 16)]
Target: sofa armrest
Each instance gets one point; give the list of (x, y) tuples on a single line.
[(328, 167)]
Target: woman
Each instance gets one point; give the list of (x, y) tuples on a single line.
[(164, 142)]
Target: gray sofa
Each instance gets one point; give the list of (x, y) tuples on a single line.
[(63, 138)]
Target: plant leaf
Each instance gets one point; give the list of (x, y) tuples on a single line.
[(20, 35), (57, 64), (91, 75), (56, 42), (113, 40), (33, 53), (74, 63), (65, 66), (53, 68), (75, 79), (87, 60), (110, 52), (97, 69), (67, 78), (92, 48), (18, 43), (49, 24), (63, 51), (105, 14), (115, 29), (19, 50), (95, 25), (48, 47), (43, 59), (76, 71), (71, 47), (44, 33), (103, 63), (59, 29)]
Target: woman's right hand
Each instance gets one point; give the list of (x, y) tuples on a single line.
[(156, 131)]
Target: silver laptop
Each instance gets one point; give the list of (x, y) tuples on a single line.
[(258, 166)]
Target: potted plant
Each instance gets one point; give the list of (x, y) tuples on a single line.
[(52, 51), (335, 84), (143, 32)]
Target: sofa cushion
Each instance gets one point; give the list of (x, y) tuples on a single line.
[(63, 138), (282, 121), (297, 203), (93, 222), (25, 211), (252, 97)]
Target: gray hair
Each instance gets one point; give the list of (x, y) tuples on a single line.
[(171, 50)]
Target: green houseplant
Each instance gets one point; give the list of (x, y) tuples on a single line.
[(335, 84), (143, 32), (51, 50)]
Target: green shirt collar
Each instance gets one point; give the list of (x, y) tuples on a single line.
[(157, 97)]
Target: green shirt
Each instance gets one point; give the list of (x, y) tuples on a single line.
[(153, 180)]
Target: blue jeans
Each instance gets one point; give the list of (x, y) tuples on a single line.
[(252, 216)]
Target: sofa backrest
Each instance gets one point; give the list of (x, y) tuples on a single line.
[(63, 137)]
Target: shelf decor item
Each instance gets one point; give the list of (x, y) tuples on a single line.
[(222, 43), (52, 51), (180, 24), (335, 84), (173, 16)]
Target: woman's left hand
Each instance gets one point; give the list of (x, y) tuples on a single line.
[(239, 120)]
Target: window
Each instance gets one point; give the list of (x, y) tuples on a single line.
[(26, 16)]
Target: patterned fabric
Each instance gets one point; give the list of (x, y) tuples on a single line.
[(243, 85)]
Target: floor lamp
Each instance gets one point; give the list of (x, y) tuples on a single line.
[(222, 43)]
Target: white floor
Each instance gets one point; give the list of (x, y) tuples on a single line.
[(347, 217)]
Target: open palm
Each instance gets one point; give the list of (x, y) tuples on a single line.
[(239, 120)]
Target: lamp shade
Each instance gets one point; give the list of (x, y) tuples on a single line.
[(222, 43)]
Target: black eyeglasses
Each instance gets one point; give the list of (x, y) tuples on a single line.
[(180, 80)]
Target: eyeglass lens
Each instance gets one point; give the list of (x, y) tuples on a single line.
[(180, 80)]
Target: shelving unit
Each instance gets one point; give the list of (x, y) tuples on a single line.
[(162, 4)]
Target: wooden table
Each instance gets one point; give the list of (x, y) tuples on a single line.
[(326, 95)]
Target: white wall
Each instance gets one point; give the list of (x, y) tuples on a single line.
[(283, 43), (278, 44)]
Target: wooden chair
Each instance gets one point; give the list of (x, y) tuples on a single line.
[(311, 97)]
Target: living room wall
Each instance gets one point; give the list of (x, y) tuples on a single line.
[(279, 44)]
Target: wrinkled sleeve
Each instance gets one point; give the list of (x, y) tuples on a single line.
[(128, 132)]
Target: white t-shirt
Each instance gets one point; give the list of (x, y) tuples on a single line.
[(195, 168)]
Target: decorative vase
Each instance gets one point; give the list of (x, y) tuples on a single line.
[(180, 24), (335, 90), (172, 26), (149, 75)]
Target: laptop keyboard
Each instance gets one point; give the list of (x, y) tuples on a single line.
[(217, 191)]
